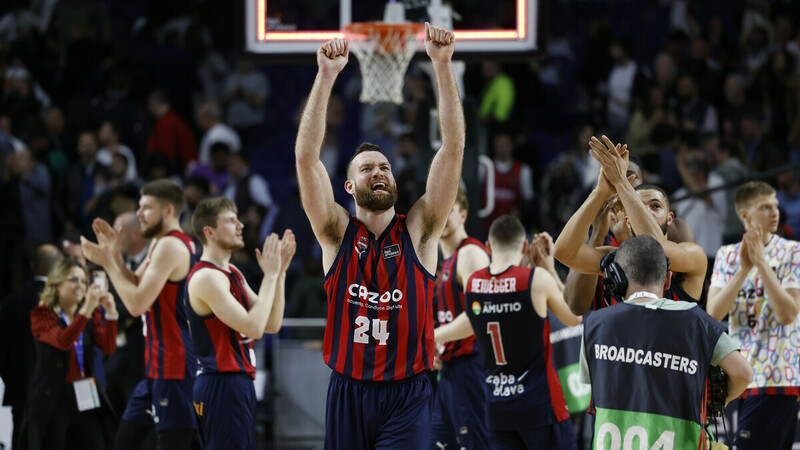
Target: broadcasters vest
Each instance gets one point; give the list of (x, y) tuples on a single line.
[(652, 375)]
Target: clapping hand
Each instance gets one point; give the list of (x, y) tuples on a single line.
[(103, 252), (613, 160), (288, 247), (269, 258)]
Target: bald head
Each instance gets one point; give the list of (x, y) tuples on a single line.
[(45, 258), (130, 234)]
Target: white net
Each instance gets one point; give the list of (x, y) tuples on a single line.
[(383, 52)]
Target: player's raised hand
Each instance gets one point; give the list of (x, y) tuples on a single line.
[(439, 43), (288, 247), (332, 56), (269, 258), (602, 221), (609, 156)]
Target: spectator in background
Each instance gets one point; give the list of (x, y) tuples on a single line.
[(755, 43), (108, 135), (209, 119), (18, 99), (16, 361), (126, 366), (780, 84), (39, 144), (405, 155), (734, 106), (624, 84), (35, 196), (244, 94), (171, 134), (307, 299), (727, 156), (53, 119), (69, 312), (375, 126), (157, 165), (83, 180), (71, 247), (762, 153), (704, 70), (705, 213), (497, 99), (216, 171), (789, 198), (246, 188), (196, 189), (694, 112), (651, 112), (513, 182), (27, 216), (120, 196), (665, 77)]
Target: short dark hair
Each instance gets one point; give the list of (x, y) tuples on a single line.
[(364, 147), (166, 191), (506, 232), (207, 212), (654, 187), (643, 261), (747, 192)]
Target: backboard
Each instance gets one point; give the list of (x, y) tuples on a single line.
[(290, 28)]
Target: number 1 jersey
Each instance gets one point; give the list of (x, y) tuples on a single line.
[(380, 306), (521, 380)]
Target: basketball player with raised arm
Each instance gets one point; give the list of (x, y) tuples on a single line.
[(225, 317), (507, 308), (459, 407), (646, 211), (379, 266), (163, 400)]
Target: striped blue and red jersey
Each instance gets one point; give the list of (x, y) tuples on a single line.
[(449, 297), (522, 382), (220, 348), (168, 352), (380, 306)]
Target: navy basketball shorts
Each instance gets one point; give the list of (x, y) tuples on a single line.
[(458, 419), (766, 421), (163, 403), (556, 436), (225, 408), (378, 415)]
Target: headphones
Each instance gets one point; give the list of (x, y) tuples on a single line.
[(615, 283)]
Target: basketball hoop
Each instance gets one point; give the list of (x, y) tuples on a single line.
[(383, 51)]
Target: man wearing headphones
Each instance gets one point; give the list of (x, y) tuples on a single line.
[(647, 379)]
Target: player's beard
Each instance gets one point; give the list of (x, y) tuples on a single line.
[(665, 227), (374, 201), (231, 245), (153, 230)]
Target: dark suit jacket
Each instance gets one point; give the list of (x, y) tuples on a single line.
[(17, 351), (49, 384)]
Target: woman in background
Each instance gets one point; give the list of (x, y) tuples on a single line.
[(67, 325)]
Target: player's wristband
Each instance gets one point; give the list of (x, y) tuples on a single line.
[(112, 316)]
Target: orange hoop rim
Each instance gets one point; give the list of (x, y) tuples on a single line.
[(362, 30)]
